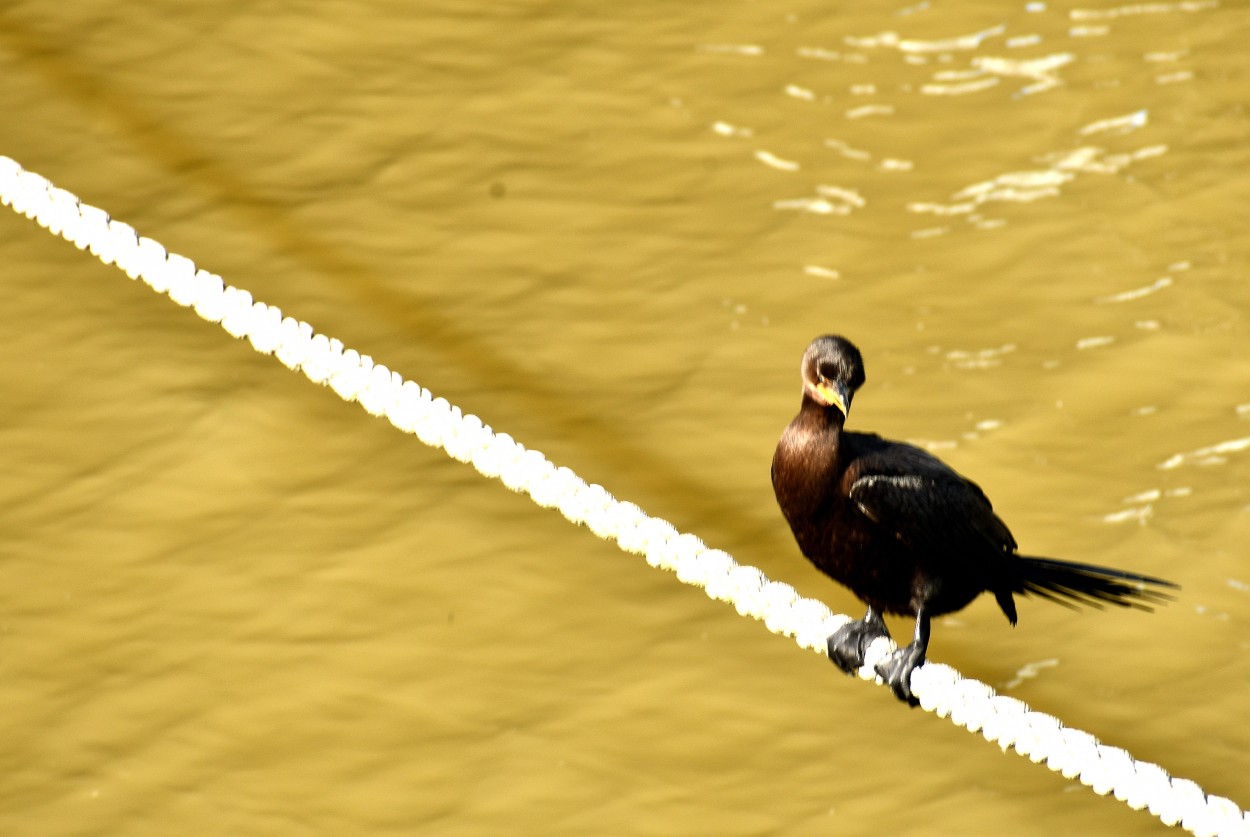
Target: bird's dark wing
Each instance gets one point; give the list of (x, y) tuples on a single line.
[(920, 499)]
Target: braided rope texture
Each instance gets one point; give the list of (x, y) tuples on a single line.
[(413, 409)]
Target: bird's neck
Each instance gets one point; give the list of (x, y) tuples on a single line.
[(812, 439), (821, 421)]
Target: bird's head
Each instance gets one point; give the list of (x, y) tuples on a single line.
[(832, 371)]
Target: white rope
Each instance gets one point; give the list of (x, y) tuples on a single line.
[(382, 392)]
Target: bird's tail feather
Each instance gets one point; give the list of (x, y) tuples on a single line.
[(1070, 584)]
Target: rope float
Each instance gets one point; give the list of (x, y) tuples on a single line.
[(382, 392)]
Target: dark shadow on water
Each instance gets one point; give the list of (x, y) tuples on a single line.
[(463, 355)]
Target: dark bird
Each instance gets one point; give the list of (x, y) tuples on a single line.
[(902, 530)]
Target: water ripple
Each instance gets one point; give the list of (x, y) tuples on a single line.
[(1141, 9), (1209, 455)]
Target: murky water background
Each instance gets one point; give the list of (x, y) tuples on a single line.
[(231, 604)]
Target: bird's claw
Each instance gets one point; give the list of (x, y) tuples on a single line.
[(848, 644), (896, 671)]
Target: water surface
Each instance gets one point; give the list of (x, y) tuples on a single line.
[(231, 603)]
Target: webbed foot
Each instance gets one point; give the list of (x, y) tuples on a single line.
[(896, 671), (848, 644)]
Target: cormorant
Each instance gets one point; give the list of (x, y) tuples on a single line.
[(906, 533)]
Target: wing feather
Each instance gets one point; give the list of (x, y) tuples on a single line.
[(922, 501)]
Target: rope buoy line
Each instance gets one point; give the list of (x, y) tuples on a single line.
[(413, 409)]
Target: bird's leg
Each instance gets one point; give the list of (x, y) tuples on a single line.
[(896, 669), (848, 643)]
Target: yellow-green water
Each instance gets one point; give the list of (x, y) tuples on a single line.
[(231, 604)]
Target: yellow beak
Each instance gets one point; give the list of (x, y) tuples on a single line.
[(835, 394)]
